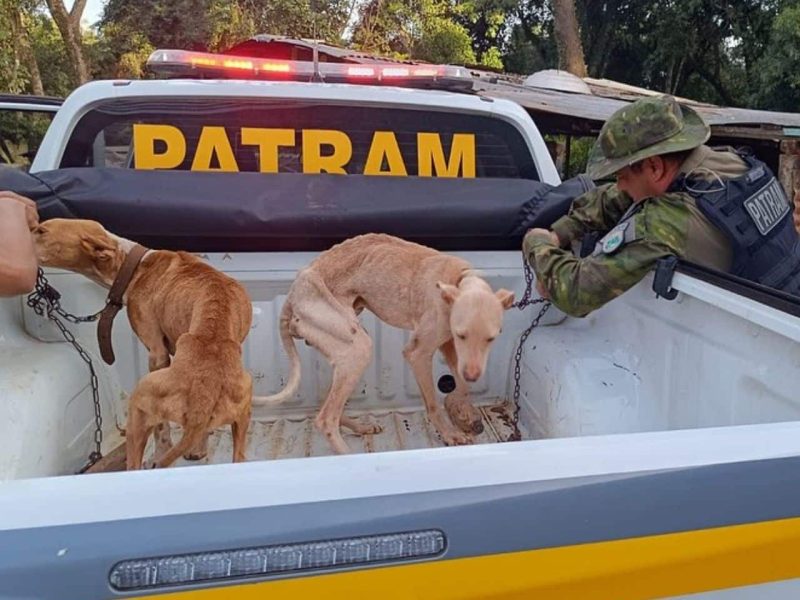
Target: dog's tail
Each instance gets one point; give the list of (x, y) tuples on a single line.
[(294, 376)]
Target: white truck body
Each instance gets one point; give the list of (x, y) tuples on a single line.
[(643, 422)]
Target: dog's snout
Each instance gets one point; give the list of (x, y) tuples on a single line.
[(472, 374)]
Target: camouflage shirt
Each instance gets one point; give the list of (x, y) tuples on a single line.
[(635, 237)]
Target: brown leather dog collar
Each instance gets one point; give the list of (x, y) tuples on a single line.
[(114, 301)]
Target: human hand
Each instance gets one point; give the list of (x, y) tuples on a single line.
[(542, 290), (546, 232), (31, 213)]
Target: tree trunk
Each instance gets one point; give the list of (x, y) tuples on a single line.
[(26, 52), (568, 39), (69, 24)]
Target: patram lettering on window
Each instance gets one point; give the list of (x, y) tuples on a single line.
[(159, 146)]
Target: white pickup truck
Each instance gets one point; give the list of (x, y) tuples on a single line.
[(660, 443)]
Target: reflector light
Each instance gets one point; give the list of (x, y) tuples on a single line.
[(272, 560), (182, 63)]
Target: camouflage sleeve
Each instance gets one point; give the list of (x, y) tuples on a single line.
[(596, 210), (579, 286)]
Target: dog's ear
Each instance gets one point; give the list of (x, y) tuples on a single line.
[(506, 298), (98, 247), (449, 292)]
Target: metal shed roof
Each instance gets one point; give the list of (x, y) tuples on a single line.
[(608, 96)]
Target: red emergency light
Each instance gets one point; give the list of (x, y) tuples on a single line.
[(203, 65)]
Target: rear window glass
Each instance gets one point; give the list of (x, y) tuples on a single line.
[(296, 137), (21, 132)]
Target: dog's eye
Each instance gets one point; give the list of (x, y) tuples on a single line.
[(461, 336), (491, 339)]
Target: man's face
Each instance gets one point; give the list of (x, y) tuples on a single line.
[(641, 180)]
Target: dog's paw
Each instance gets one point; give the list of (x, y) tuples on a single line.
[(362, 426), (456, 438), (371, 428), (462, 414), (195, 455)]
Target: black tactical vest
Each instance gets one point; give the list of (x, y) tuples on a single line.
[(755, 214)]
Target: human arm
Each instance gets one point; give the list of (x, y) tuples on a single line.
[(18, 265)]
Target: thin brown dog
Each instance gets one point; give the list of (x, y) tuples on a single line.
[(436, 296), (177, 305)]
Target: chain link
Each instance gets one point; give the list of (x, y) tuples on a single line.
[(43, 292), (523, 303), (45, 301), (526, 301)]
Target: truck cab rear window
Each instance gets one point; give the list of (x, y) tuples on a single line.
[(289, 136), (21, 132)]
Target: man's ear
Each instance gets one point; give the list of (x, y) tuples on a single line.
[(98, 247), (449, 292), (506, 298)]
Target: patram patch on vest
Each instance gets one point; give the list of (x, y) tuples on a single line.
[(322, 150), (768, 206)]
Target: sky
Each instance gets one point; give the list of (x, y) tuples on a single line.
[(92, 13)]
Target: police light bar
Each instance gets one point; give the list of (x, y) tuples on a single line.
[(204, 65)]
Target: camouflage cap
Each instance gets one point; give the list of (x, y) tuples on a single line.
[(647, 127)]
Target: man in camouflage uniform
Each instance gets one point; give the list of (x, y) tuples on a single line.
[(647, 145)]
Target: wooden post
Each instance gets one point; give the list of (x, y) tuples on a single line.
[(557, 150), (790, 175), (113, 461)]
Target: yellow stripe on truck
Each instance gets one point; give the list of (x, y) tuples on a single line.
[(646, 567)]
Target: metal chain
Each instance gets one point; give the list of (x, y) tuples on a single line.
[(524, 302), (45, 300), (44, 292)]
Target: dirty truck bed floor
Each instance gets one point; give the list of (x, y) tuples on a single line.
[(295, 436)]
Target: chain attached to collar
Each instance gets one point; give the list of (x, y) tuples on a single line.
[(45, 300), (523, 303)]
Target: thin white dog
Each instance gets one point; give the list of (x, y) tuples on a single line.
[(436, 296)]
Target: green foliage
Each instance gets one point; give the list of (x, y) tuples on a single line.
[(492, 58), (13, 75), (320, 19), (443, 41), (779, 67), (20, 136), (51, 54)]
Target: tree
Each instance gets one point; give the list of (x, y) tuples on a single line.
[(530, 45), (429, 30), (20, 19), (69, 24), (779, 66), (443, 41), (319, 19), (389, 27), (568, 39), (13, 74), (50, 52), (488, 23)]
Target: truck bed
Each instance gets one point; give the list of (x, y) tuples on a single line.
[(639, 364), (294, 435)]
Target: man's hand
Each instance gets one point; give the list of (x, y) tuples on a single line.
[(545, 232), (31, 214), (542, 290)]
